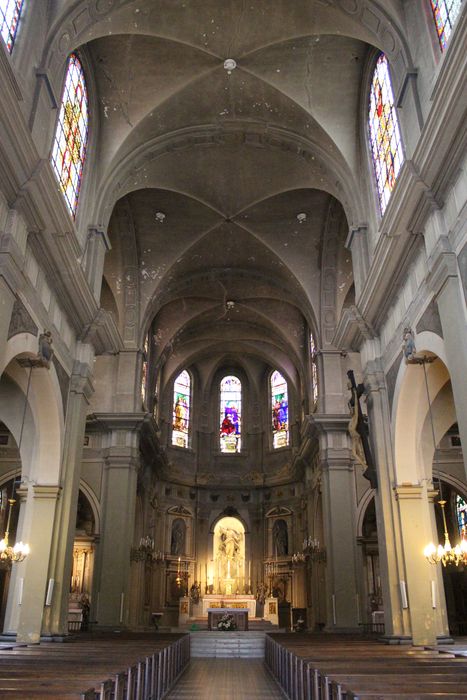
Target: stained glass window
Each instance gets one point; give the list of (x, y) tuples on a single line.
[(445, 13), (10, 12), (385, 138), (314, 368), (181, 410), (230, 415), (144, 373), (279, 410), (71, 134), (461, 510)]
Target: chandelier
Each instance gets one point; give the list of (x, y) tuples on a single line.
[(444, 553), (311, 551), (146, 552), (19, 551)]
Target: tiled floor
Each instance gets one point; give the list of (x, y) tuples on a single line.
[(226, 679)]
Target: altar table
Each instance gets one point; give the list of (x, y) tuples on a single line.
[(240, 616)]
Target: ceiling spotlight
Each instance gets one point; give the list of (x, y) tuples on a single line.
[(301, 218), (230, 305), (160, 216), (230, 64)]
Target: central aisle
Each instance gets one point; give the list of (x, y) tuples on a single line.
[(226, 679)]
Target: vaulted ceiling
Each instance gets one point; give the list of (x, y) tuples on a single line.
[(202, 171)]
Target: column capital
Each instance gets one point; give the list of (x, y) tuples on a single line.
[(413, 492), (82, 380), (442, 265)]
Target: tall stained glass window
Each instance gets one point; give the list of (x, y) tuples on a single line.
[(71, 134), (10, 13), (144, 373), (230, 414), (314, 368), (445, 13), (385, 138), (461, 511), (181, 410), (279, 410)]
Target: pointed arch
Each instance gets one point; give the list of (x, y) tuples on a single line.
[(71, 133), (384, 132)]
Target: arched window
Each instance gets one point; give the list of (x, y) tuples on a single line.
[(181, 410), (279, 410), (445, 14), (314, 368), (10, 13), (385, 138), (230, 414), (71, 134)]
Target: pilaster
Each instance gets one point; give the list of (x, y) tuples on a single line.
[(444, 280), (339, 508), (56, 613)]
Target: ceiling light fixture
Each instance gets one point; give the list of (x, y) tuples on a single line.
[(160, 216), (230, 64), (301, 217)]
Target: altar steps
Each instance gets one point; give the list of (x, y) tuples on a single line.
[(222, 645)]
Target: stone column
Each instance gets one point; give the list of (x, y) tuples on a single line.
[(118, 517), (37, 529), (338, 489), (56, 614), (397, 627), (445, 282)]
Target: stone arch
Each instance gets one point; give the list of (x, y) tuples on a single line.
[(413, 442)]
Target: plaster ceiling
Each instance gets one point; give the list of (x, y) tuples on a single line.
[(230, 160)]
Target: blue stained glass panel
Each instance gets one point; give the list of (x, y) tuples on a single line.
[(280, 410), (230, 415), (461, 511)]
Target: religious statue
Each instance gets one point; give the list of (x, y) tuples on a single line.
[(195, 592), (280, 538), (45, 351), (358, 430), (261, 592), (177, 542), (408, 345), (229, 545)]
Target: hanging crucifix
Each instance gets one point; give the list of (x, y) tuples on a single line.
[(358, 430)]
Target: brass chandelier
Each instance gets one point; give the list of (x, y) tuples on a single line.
[(444, 553), (18, 552)]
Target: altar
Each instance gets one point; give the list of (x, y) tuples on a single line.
[(240, 617), (232, 602)]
